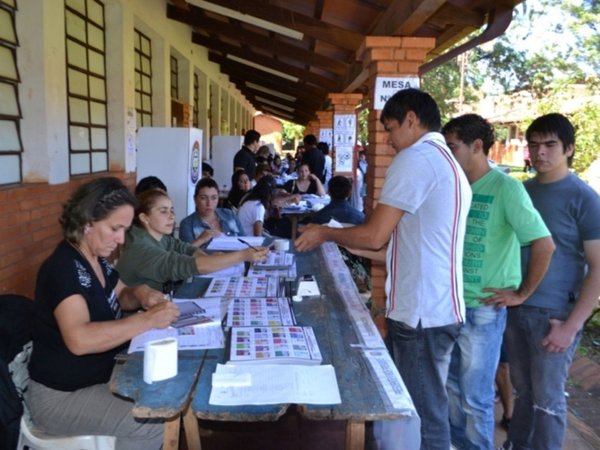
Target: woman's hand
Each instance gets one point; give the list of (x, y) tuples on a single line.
[(206, 236), (162, 314), (258, 255)]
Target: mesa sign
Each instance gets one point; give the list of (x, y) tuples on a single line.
[(385, 87)]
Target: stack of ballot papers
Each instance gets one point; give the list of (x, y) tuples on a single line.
[(267, 384)]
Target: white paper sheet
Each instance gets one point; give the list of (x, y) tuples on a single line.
[(390, 380), (274, 384), (188, 338), (237, 270), (232, 243)]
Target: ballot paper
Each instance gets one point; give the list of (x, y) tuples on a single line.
[(236, 270), (268, 384), (232, 243), (188, 338)]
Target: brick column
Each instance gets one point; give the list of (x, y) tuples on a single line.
[(312, 127), (345, 103), (325, 121), (392, 57)]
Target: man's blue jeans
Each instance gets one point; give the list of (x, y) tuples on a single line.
[(471, 378), (422, 356), (539, 418)]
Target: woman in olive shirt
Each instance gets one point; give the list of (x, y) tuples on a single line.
[(152, 256)]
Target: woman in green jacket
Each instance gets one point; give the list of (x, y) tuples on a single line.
[(152, 256)]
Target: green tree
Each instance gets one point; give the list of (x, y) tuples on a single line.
[(291, 133)]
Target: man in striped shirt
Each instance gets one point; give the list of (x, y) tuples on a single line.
[(418, 227)]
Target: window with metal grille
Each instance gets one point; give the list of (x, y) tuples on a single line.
[(195, 121), (11, 146), (143, 79), (174, 78), (86, 86)]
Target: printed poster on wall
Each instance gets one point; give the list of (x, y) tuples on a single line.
[(344, 137), (130, 140), (326, 135)]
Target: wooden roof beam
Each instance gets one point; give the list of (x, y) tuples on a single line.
[(309, 26), (402, 19)]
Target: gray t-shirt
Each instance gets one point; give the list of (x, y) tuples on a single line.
[(571, 211)]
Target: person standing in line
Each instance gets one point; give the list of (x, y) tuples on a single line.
[(542, 333), (245, 158), (501, 220), (328, 167), (421, 217), (313, 157)]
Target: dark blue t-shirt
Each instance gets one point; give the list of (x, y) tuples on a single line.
[(571, 211)]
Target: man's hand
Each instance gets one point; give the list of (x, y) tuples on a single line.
[(312, 235), (559, 338), (502, 297)]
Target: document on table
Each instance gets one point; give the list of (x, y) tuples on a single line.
[(268, 384), (196, 337), (213, 307), (232, 243), (236, 270), (390, 381)]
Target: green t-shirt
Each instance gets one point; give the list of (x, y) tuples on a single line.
[(501, 220)]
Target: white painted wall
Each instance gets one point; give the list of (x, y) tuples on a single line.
[(42, 91)]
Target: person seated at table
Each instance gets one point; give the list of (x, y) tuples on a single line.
[(276, 167), (208, 221), (207, 170), (147, 183), (240, 185), (340, 209), (152, 256), (262, 169), (307, 183), (79, 326), (255, 205), (290, 166)]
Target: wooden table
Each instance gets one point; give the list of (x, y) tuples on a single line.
[(359, 390), (168, 399)]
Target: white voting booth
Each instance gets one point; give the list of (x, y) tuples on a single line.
[(175, 156), (224, 149)]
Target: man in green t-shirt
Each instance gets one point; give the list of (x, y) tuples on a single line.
[(501, 220)]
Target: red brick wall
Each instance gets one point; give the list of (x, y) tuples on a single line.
[(29, 229)]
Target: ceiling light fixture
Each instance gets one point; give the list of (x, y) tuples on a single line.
[(261, 23), (263, 68), (266, 90), (275, 104), (277, 113)]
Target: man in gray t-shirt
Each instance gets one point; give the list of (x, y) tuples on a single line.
[(543, 332)]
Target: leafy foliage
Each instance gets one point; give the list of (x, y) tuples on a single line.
[(291, 133)]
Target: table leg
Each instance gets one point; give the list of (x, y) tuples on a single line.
[(171, 436), (192, 433), (355, 435)]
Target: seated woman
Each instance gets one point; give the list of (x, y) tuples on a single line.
[(255, 205), (152, 256), (240, 186), (307, 183), (79, 327), (208, 221)]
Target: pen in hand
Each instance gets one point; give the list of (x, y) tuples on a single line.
[(248, 244)]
